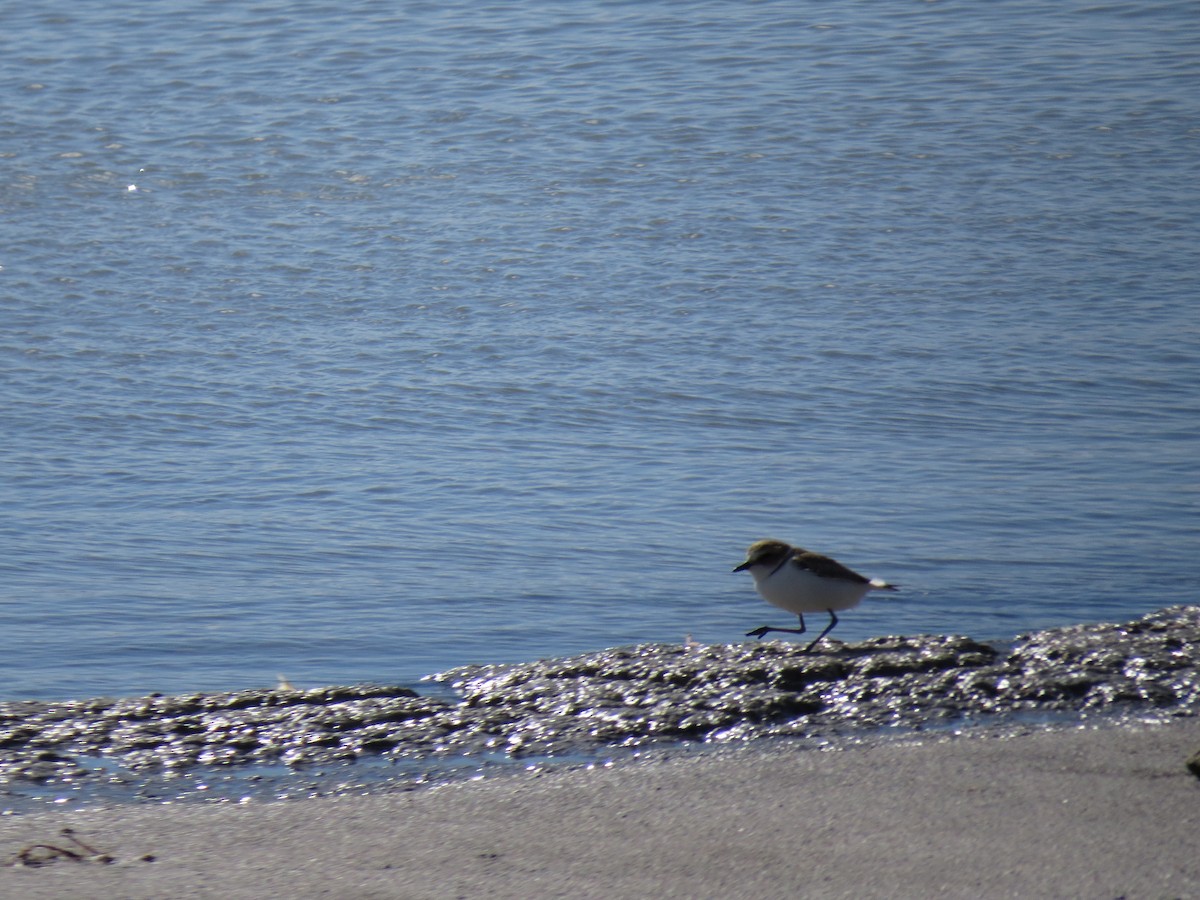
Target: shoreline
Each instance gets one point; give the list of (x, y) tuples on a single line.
[(1065, 812), (744, 770), (362, 739), (287, 743)]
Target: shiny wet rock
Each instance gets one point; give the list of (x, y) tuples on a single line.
[(621, 697)]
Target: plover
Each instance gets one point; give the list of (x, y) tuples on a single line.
[(801, 581)]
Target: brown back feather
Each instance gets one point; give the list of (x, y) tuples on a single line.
[(825, 567)]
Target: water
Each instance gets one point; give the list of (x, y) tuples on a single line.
[(355, 341)]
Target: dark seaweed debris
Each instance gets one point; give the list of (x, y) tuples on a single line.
[(621, 697), (72, 849)]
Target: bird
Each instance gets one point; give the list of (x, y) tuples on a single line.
[(801, 581)]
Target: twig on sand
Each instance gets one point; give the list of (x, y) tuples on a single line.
[(36, 855)]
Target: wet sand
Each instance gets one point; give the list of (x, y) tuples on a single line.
[(1107, 811)]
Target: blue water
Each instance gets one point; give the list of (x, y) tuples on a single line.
[(356, 341)]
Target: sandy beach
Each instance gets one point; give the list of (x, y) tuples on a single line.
[(1108, 811)]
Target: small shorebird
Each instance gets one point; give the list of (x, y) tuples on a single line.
[(800, 581)]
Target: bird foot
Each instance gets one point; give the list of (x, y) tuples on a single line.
[(759, 632)]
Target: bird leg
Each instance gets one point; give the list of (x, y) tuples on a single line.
[(833, 620), (759, 632)]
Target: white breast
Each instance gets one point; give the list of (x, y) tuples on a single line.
[(800, 591)]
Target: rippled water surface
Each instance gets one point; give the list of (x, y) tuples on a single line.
[(357, 341)]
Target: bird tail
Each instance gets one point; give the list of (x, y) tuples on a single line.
[(881, 585)]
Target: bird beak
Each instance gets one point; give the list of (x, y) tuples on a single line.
[(743, 567)]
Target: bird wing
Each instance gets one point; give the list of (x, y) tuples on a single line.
[(825, 567)]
